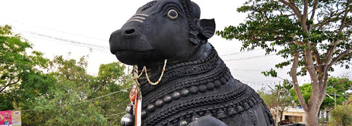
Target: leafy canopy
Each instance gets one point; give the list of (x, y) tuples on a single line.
[(20, 77), (276, 27), (341, 116), (335, 85), (80, 99), (311, 35), (59, 91)]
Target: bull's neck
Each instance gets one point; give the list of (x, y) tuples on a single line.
[(204, 60), (182, 80)]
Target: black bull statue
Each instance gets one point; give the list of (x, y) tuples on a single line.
[(195, 88)]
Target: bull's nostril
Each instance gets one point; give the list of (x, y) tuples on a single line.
[(130, 31)]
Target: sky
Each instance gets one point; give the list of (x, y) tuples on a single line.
[(73, 27)]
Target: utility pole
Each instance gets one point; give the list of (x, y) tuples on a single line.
[(278, 106), (334, 101), (279, 91)]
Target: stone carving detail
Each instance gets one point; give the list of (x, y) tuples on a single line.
[(196, 85), (184, 69), (253, 117)]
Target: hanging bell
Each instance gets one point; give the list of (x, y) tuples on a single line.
[(127, 120)]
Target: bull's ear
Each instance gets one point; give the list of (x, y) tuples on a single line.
[(207, 27)]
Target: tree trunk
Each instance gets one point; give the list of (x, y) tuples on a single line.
[(319, 83), (312, 117), (281, 114)]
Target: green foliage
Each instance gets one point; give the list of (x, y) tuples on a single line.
[(271, 98), (59, 91), (341, 116), (275, 27), (19, 73), (311, 35), (79, 99), (338, 85)]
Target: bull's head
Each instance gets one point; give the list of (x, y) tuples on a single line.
[(161, 29)]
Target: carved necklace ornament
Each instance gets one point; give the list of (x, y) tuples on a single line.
[(144, 70)]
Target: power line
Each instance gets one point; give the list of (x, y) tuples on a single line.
[(249, 82), (103, 47), (88, 100), (93, 46), (7, 35), (65, 42), (246, 58), (240, 52), (259, 83), (253, 79), (68, 40), (106, 48), (19, 22), (74, 42), (247, 70)]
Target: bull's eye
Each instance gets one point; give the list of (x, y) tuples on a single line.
[(172, 14)]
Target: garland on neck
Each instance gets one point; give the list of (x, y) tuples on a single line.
[(144, 70)]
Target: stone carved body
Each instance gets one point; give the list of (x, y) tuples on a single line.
[(197, 88)]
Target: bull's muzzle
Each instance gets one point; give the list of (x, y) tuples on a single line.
[(130, 42)]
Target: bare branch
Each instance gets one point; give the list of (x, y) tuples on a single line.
[(325, 79), (348, 24), (305, 16), (310, 64), (298, 42), (294, 8), (322, 91), (330, 53), (334, 60), (316, 56), (7, 85), (349, 102), (288, 15), (334, 16), (274, 39), (313, 13), (314, 8), (295, 82), (344, 18)]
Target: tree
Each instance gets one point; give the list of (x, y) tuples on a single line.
[(59, 91), (20, 77), (335, 85), (114, 79), (81, 99), (341, 116), (278, 98), (313, 35)]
